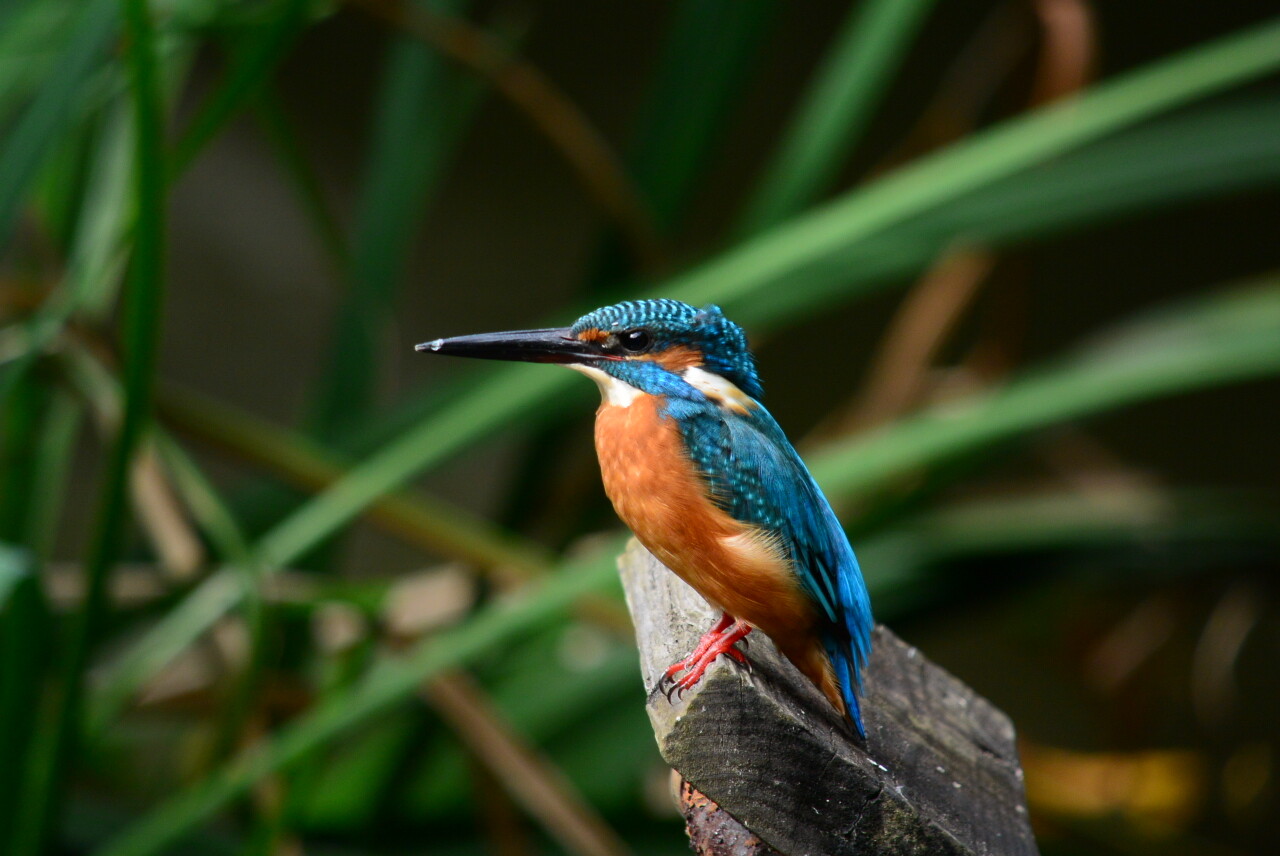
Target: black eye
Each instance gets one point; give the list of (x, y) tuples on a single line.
[(635, 341)]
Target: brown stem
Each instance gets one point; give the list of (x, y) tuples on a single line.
[(930, 312), (1067, 53), (532, 780)]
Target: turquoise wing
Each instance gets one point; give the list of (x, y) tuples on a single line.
[(756, 475)]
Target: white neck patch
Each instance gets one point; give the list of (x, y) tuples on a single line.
[(612, 391), (721, 391)]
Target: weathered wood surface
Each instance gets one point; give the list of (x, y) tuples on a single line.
[(939, 773)]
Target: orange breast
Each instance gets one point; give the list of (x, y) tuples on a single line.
[(659, 494)]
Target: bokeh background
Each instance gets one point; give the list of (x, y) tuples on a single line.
[(270, 582)]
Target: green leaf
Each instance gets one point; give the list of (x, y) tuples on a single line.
[(836, 108)]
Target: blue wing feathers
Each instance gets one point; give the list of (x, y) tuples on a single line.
[(757, 476)]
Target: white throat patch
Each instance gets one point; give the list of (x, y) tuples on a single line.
[(721, 391), (612, 391)]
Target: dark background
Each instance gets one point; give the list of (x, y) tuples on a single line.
[(1139, 734)]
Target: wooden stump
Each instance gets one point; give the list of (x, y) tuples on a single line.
[(939, 773)]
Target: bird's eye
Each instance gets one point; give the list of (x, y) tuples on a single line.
[(635, 341)]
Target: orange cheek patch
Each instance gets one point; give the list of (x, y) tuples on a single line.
[(676, 359), (592, 335)]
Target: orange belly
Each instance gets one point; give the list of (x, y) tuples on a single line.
[(659, 494)]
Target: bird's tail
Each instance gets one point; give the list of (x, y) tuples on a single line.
[(849, 678)]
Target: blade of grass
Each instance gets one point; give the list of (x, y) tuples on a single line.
[(31, 40), (26, 148), (526, 390), (1218, 149), (140, 327), (836, 108), (1216, 340), (279, 131), (93, 266), (53, 454), (97, 258), (253, 60), (218, 523), (391, 682), (912, 559), (432, 524), (999, 152), (25, 636), (19, 428)]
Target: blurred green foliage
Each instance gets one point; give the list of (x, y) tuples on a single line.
[(214, 675)]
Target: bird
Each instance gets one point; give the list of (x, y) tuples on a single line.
[(708, 482)]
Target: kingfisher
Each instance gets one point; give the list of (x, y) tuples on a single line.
[(708, 482)]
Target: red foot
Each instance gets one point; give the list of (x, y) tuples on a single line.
[(720, 639), (711, 637)]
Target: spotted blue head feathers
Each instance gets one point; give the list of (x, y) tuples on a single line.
[(663, 324)]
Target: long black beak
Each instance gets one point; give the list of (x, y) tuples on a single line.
[(554, 345)]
